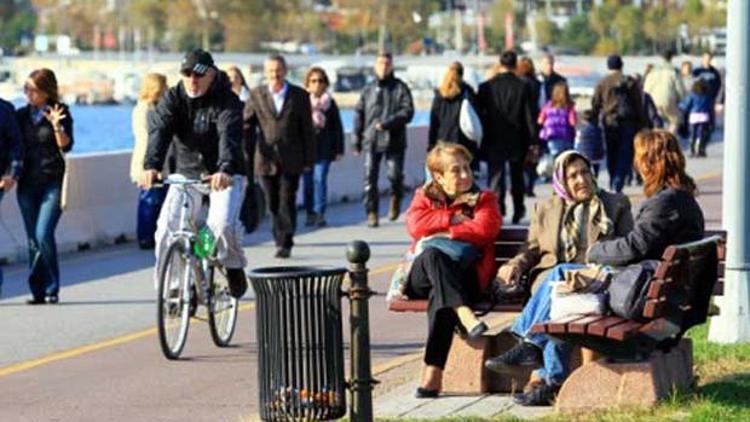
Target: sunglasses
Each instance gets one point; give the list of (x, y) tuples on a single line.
[(190, 73)]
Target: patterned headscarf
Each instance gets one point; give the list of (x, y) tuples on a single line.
[(575, 212)]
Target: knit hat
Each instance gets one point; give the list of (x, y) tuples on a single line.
[(614, 62)]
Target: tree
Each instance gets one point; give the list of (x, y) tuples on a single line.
[(17, 19), (547, 32), (578, 34), (628, 29)]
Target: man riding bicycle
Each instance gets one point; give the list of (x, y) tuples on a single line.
[(202, 118)]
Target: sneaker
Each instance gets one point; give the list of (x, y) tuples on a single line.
[(524, 354), (395, 209), (237, 282), (542, 394), (311, 220), (372, 219)]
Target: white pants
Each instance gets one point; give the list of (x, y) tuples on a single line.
[(223, 221)]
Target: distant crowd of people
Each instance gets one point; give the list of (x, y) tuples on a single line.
[(211, 123)]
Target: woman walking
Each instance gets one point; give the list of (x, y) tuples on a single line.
[(446, 109), (149, 200), (47, 134), (329, 139)]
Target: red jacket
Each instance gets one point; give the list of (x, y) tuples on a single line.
[(429, 214)]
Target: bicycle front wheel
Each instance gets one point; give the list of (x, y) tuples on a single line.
[(222, 307), (173, 313)]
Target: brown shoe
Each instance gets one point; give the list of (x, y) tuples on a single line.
[(395, 209), (372, 219)]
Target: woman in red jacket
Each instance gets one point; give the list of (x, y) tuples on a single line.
[(454, 226)]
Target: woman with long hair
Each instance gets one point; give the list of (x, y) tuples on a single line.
[(446, 109), (47, 134), (329, 140), (239, 85), (149, 200), (558, 120)]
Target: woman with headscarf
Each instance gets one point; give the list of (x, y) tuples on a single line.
[(562, 229), (670, 215), (453, 226)]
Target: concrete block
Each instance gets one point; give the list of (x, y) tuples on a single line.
[(605, 384)]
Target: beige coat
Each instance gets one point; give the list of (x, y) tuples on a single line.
[(140, 137), (542, 251), (664, 85)]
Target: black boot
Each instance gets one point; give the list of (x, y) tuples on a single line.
[(237, 282)]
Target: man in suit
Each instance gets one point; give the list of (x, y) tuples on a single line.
[(285, 146), (506, 112)]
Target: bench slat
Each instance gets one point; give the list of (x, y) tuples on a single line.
[(654, 308), (623, 331), (561, 325), (581, 326), (599, 328)]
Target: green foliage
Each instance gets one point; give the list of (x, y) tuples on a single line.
[(578, 34), (16, 20)]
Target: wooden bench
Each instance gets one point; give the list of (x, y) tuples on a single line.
[(645, 359), (464, 371)]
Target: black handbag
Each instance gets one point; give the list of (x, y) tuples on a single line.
[(629, 289)]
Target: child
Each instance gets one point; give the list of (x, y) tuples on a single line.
[(558, 120), (698, 106), (590, 141)]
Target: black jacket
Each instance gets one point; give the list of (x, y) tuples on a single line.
[(286, 139), (389, 102), (670, 217), (507, 118), (549, 82), (444, 117), (43, 160), (206, 131), (11, 147), (330, 138)]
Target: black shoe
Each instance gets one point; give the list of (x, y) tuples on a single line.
[(283, 253), (36, 301), (53, 299), (311, 220), (543, 395), (424, 393), (193, 305), (147, 244), (524, 354), (478, 330), (237, 282), (321, 221), (519, 215)]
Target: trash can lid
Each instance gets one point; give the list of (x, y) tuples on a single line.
[(295, 271)]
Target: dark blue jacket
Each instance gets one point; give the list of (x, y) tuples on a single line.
[(11, 148), (591, 142), (695, 103)]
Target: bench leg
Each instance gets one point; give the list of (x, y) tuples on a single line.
[(602, 384)]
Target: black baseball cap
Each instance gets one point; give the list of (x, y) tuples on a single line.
[(197, 61)]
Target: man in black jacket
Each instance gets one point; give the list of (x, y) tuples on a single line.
[(549, 77), (202, 119), (283, 113), (11, 153), (507, 118), (380, 119)]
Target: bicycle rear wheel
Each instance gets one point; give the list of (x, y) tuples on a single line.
[(173, 313), (222, 307)]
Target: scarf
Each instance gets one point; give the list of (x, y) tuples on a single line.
[(37, 113), (577, 214), (319, 107)]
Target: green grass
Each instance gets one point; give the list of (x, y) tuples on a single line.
[(722, 392)]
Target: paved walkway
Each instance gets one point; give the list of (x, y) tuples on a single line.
[(95, 356)]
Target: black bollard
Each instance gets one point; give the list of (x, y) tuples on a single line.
[(361, 384)]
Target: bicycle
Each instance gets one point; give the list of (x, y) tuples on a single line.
[(190, 275)]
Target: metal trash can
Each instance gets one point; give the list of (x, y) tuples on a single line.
[(300, 344)]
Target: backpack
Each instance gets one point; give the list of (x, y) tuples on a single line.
[(621, 106), (629, 289)]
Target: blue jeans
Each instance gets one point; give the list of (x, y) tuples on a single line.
[(315, 187), (556, 353), (557, 146), (620, 153), (40, 209)]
